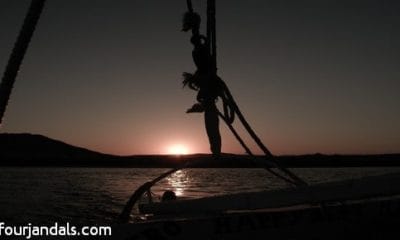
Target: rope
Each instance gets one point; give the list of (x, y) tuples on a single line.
[(212, 36), (230, 110), (230, 107), (126, 212), (18, 53), (248, 151), (189, 5)]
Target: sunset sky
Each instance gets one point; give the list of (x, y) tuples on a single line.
[(310, 76)]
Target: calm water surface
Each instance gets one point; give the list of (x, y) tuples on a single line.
[(97, 195)]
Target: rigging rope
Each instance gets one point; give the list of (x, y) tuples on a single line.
[(18, 53), (211, 36), (126, 212), (248, 151), (230, 110), (189, 5), (228, 116)]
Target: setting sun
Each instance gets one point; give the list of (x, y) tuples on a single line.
[(177, 149)]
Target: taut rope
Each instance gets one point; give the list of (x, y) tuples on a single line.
[(230, 108)]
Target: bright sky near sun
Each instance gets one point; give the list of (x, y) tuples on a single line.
[(178, 149), (310, 76)]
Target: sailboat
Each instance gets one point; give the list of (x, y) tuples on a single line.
[(366, 208)]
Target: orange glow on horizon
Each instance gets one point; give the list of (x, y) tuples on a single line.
[(177, 149)]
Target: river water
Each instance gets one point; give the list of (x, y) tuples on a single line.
[(97, 195)]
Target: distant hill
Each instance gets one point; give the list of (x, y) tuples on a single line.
[(32, 149), (37, 150)]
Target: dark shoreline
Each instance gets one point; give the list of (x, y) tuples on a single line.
[(29, 150), (206, 161)]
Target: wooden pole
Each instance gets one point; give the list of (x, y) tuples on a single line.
[(18, 53)]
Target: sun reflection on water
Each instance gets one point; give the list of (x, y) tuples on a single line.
[(179, 182)]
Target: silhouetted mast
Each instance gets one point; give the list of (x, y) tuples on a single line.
[(18, 53), (189, 5), (211, 35), (230, 108)]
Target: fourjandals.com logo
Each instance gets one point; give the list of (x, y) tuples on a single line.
[(28, 231)]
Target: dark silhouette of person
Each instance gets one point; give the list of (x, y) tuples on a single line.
[(205, 81), (168, 196)]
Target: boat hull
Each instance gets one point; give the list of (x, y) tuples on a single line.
[(372, 219)]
